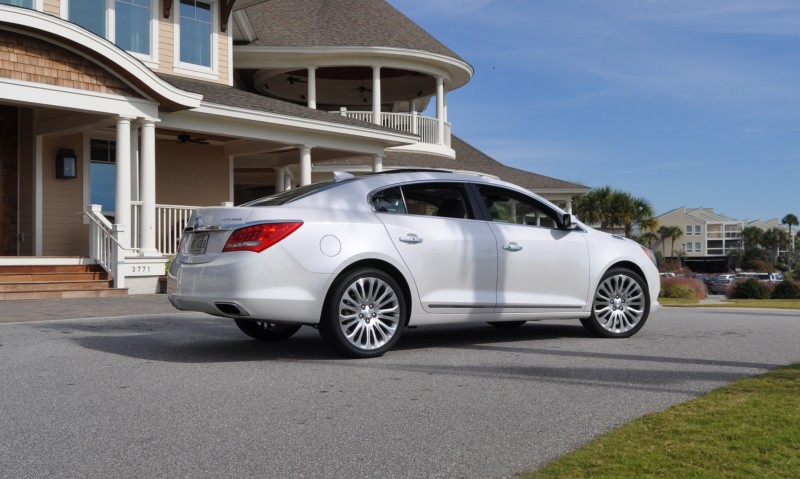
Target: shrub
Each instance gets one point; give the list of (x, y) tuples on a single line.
[(750, 289), (786, 289), (682, 288)]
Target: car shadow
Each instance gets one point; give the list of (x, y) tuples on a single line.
[(214, 341)]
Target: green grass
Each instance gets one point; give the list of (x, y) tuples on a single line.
[(736, 303), (749, 429)]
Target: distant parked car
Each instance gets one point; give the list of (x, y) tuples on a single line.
[(720, 284)]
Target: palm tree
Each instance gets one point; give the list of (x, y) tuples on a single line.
[(752, 237), (664, 233), (610, 208), (671, 232), (593, 207), (790, 220), (647, 238), (675, 232), (775, 239)]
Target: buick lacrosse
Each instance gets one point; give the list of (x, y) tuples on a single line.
[(361, 258)]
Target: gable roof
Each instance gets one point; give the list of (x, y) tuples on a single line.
[(339, 23)]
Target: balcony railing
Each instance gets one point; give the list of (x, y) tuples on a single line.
[(413, 123)]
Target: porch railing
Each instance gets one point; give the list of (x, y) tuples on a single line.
[(104, 245), (414, 123), (170, 222)]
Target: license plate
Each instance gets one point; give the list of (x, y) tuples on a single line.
[(198, 244)]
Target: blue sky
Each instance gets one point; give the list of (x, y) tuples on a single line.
[(683, 102)]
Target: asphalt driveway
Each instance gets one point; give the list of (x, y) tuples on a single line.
[(159, 393)]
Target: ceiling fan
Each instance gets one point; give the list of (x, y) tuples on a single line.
[(292, 80), (185, 138)]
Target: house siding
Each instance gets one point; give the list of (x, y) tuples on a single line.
[(33, 60), (62, 198)]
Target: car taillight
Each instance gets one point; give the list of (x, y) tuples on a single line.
[(257, 238)]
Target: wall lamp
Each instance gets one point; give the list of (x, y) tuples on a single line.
[(66, 164)]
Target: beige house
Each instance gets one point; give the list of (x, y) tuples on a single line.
[(119, 117), (708, 238)]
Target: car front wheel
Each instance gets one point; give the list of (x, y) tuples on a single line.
[(364, 315), (620, 305), (265, 330)]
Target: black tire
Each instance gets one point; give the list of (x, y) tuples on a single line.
[(364, 315), (267, 331), (620, 305), (506, 324)]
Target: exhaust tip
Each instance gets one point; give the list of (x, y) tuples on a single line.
[(231, 309)]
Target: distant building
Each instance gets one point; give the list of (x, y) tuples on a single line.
[(708, 238)]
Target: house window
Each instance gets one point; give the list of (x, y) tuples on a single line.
[(127, 23), (195, 25), (697, 248), (90, 14), (697, 229), (18, 3), (688, 247), (133, 25), (103, 173)]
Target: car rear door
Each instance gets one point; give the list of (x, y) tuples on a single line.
[(451, 255)]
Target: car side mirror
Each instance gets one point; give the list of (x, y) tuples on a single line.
[(566, 221)]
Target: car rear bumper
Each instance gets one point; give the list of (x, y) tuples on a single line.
[(269, 285)]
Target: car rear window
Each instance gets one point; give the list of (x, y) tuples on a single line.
[(295, 194)]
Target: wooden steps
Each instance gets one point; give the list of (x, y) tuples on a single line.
[(56, 281)]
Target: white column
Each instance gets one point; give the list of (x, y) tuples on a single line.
[(135, 161), (568, 208), (147, 218), (305, 165), (231, 179), (439, 110), (376, 95), (123, 183), (312, 87), (377, 163), (280, 180), (287, 180)]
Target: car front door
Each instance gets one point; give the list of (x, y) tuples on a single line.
[(451, 255), (541, 268)]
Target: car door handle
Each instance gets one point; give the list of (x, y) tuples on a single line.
[(411, 239), (512, 247)]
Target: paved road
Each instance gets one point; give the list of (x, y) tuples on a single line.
[(169, 394)]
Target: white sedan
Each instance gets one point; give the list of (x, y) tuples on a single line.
[(360, 258)]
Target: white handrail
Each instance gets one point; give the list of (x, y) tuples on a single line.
[(104, 245)]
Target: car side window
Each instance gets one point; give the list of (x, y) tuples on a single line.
[(445, 200), (389, 200), (507, 206)]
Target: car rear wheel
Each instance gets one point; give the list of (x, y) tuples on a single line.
[(265, 330), (364, 315), (620, 306)]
